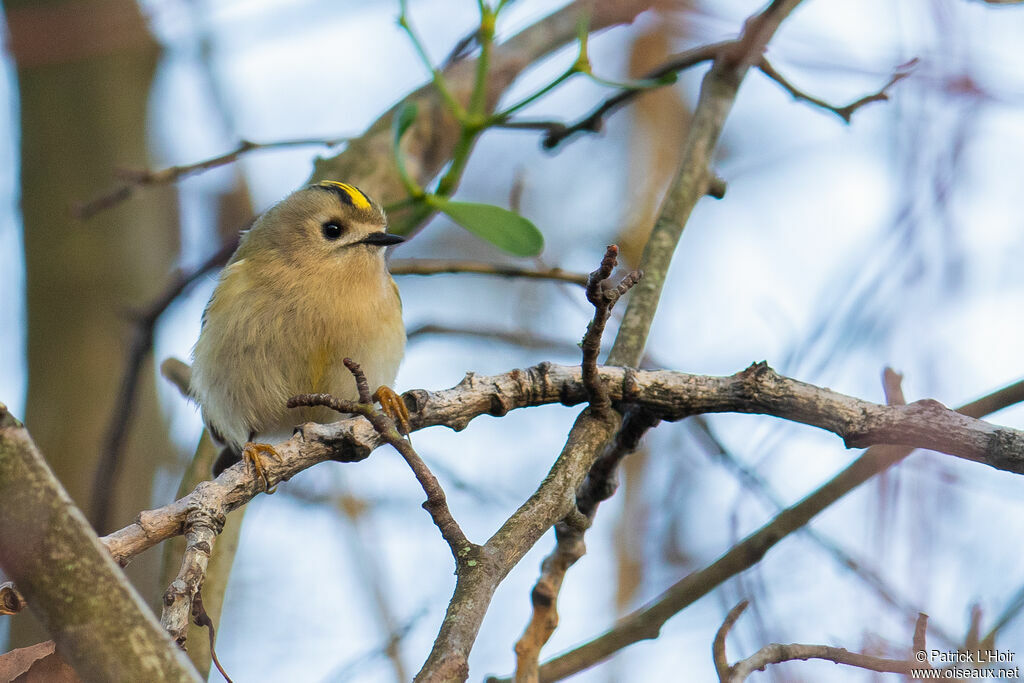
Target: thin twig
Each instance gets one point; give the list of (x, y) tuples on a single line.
[(202, 619), (1011, 611), (369, 564), (442, 266), (920, 629), (436, 503), (109, 461), (391, 645), (603, 297), (525, 340), (845, 113), (556, 132), (718, 653), (133, 179), (777, 652)]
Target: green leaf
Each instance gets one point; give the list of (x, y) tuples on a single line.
[(502, 228)]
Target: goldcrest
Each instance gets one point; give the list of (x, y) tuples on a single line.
[(307, 287)]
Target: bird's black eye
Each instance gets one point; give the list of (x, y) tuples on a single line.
[(332, 230)]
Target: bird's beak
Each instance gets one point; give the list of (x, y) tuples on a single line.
[(382, 239)]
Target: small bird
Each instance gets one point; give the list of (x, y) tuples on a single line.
[(307, 287)]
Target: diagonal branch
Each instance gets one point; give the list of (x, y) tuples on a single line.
[(100, 623), (693, 181), (124, 404)]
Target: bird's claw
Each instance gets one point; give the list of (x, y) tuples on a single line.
[(251, 453), (392, 405)]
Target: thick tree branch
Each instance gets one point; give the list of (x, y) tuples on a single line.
[(666, 394), (100, 624)]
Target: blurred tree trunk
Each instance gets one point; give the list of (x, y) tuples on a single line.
[(84, 73)]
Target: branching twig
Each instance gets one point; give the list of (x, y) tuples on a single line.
[(776, 653), (436, 503), (603, 297), (441, 266), (132, 179), (201, 531), (569, 532), (646, 622), (666, 394), (845, 113), (556, 132)]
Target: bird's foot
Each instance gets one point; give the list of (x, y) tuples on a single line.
[(251, 454), (392, 405)]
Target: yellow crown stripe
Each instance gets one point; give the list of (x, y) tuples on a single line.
[(359, 200)]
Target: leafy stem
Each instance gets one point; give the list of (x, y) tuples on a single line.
[(478, 100), (438, 78)]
